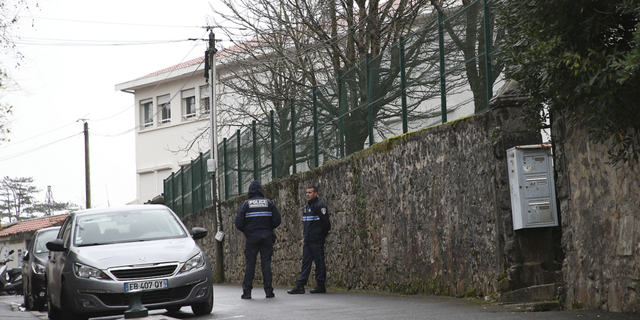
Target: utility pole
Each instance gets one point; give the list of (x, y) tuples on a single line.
[(212, 163), (87, 179)]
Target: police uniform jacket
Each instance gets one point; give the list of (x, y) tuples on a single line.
[(257, 215), (315, 221)]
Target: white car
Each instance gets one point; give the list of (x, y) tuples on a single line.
[(101, 256)]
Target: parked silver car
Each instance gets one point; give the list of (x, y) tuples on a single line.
[(33, 268), (101, 255)]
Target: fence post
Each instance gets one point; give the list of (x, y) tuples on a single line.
[(403, 87), (443, 87), (255, 151), (203, 199), (369, 98), (341, 103), (193, 187), (226, 170), (238, 144), (487, 50), (183, 192), (316, 157), (168, 192), (293, 135), (273, 145)]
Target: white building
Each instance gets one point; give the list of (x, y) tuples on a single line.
[(172, 107)]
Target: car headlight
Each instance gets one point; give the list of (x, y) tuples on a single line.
[(196, 262), (83, 271), (38, 268)]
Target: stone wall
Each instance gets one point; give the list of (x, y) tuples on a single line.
[(424, 212), (430, 212), (600, 206)]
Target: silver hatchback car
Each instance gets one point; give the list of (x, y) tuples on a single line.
[(102, 255)]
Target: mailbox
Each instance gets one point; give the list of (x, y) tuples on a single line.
[(532, 188)]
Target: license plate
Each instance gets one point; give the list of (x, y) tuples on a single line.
[(146, 285)]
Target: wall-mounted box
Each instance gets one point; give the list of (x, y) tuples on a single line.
[(532, 188)]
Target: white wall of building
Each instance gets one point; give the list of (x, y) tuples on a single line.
[(160, 146), (18, 246)]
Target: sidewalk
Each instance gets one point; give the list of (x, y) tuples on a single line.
[(11, 308)]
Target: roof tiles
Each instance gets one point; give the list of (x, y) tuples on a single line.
[(32, 225)]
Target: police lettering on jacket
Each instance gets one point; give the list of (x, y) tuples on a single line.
[(258, 214)]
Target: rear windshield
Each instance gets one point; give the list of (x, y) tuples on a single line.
[(42, 239), (126, 226)]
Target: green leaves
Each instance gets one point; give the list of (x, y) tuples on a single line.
[(579, 58)]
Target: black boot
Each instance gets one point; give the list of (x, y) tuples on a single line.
[(319, 289), (246, 294), (298, 289), (270, 294)]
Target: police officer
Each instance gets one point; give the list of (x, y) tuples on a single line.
[(315, 221), (257, 217)]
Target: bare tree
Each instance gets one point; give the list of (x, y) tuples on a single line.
[(282, 50), (9, 17)]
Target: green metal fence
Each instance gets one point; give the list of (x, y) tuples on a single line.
[(436, 74)]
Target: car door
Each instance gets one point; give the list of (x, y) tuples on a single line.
[(26, 266), (57, 260)]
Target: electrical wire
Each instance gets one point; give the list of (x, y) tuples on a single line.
[(37, 148), (42, 134), (90, 43), (103, 134), (113, 23), (154, 88), (106, 135)]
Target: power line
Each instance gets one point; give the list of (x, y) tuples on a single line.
[(42, 134), (113, 23), (153, 90), (88, 43), (37, 148)]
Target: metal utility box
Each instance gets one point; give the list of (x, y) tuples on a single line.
[(532, 188)]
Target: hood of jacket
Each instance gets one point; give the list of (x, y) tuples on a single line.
[(255, 190)]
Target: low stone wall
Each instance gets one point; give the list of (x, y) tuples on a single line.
[(425, 212), (430, 212), (600, 206)]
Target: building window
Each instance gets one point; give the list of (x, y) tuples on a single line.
[(146, 109), (164, 104), (189, 103), (205, 103)]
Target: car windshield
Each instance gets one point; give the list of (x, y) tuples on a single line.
[(126, 226), (43, 238)]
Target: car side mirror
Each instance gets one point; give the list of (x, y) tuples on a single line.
[(198, 233), (55, 245), (26, 256)]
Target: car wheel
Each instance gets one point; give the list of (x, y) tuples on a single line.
[(25, 297), (67, 311), (25, 302), (173, 309), (53, 312), (203, 308), (38, 304)]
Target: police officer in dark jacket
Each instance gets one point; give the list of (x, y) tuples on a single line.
[(315, 221), (257, 217)]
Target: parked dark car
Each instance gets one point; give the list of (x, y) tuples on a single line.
[(33, 263), (102, 255)]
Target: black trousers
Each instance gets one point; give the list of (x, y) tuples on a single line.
[(313, 252), (255, 244)]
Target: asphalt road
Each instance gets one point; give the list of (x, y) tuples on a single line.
[(338, 305)]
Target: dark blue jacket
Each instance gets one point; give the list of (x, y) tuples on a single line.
[(258, 215), (315, 221)]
